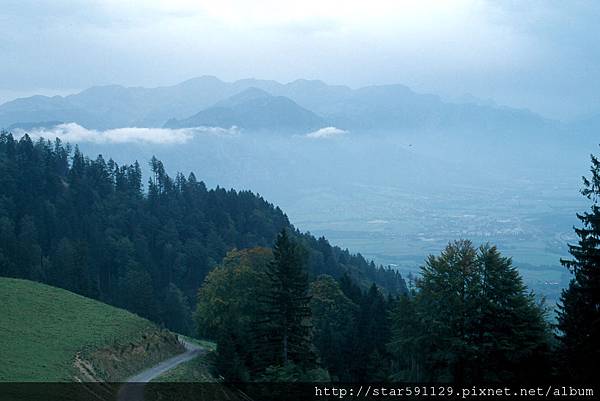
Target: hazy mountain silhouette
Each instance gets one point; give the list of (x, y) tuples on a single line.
[(268, 104), (254, 109)]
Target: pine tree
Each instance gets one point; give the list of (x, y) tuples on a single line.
[(334, 323), (372, 335), (579, 308), (284, 332), (406, 338), (350, 289)]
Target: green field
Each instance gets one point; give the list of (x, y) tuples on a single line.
[(43, 329)]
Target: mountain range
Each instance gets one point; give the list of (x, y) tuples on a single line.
[(253, 104)]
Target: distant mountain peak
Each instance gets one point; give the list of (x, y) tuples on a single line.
[(246, 95), (307, 82), (202, 79), (254, 109)]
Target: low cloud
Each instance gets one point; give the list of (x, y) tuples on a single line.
[(327, 132), (378, 221), (75, 133)]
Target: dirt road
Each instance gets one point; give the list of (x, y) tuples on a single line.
[(133, 390)]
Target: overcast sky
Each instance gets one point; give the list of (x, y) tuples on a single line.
[(541, 55)]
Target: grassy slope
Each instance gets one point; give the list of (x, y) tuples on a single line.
[(42, 328)]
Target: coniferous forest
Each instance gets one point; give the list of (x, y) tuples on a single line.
[(283, 305), (95, 228)]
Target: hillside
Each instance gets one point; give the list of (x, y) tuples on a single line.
[(53, 335)]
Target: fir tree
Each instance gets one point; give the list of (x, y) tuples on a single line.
[(406, 340), (371, 337), (579, 308), (334, 323), (284, 333)]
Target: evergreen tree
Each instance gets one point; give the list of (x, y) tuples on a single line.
[(405, 345), (176, 311), (350, 289), (334, 318), (30, 254), (137, 294), (8, 248), (369, 362), (284, 333), (579, 308)]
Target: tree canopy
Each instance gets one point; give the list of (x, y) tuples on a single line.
[(471, 319)]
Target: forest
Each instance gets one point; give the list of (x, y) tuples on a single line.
[(283, 305), (91, 227)]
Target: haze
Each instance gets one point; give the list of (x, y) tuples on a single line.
[(537, 55)]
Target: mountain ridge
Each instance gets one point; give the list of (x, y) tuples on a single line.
[(254, 109), (376, 107)]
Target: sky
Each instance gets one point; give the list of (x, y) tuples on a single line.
[(539, 55)]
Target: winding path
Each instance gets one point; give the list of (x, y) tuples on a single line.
[(133, 389)]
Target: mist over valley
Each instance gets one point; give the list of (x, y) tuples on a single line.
[(382, 170)]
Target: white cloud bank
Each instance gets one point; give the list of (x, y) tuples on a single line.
[(75, 133), (327, 132)]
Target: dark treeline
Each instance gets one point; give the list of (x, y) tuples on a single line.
[(271, 323), (469, 318), (89, 226)]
